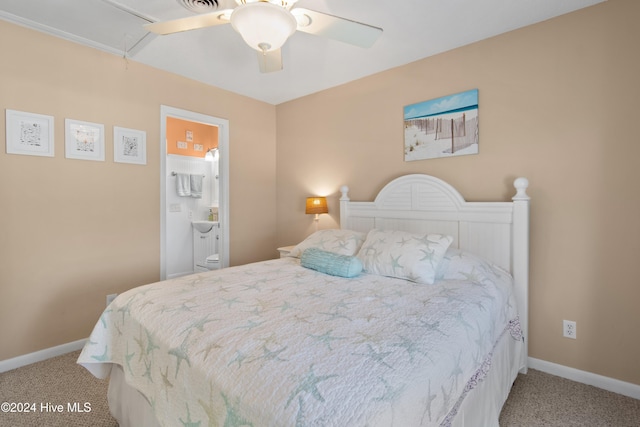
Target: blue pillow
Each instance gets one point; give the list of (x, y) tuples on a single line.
[(331, 263)]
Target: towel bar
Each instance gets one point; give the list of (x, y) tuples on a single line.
[(173, 173)]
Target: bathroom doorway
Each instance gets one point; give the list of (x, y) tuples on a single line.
[(188, 156)]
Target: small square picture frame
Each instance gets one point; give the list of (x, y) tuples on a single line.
[(83, 140), (129, 146), (29, 133)]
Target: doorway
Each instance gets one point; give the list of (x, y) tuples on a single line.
[(169, 235)]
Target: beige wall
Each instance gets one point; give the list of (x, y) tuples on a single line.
[(558, 104), (73, 231)]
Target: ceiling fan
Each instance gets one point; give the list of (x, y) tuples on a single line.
[(265, 25)]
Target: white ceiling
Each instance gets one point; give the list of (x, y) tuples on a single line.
[(413, 29)]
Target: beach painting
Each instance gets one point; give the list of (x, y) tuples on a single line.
[(442, 127)]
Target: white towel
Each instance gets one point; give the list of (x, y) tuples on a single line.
[(183, 184), (196, 186)]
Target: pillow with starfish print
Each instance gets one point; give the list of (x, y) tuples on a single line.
[(404, 255)]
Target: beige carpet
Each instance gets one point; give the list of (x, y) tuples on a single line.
[(57, 381), (537, 399)]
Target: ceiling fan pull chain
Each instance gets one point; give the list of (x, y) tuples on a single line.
[(264, 47)]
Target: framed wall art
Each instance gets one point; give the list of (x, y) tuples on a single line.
[(83, 140), (129, 146), (28, 133), (442, 127)]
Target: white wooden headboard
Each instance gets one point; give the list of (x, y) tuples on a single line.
[(498, 231)]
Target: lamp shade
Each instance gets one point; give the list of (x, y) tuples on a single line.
[(316, 205), (263, 26)]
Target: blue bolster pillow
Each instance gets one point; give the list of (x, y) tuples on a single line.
[(331, 263)]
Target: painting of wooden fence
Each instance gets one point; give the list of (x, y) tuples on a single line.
[(442, 127)]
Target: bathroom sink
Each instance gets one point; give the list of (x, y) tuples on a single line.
[(203, 226)]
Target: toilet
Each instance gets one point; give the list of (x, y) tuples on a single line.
[(213, 262), (205, 246)]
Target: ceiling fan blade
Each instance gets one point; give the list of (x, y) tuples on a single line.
[(190, 23), (270, 61), (336, 28)]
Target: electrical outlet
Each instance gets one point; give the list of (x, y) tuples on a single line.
[(110, 298), (569, 329)]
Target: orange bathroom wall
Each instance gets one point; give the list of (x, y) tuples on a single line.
[(180, 131)]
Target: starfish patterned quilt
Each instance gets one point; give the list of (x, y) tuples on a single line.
[(276, 344)]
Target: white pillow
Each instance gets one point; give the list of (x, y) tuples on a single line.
[(410, 256), (458, 264), (342, 242)]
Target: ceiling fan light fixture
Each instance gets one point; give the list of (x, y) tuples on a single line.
[(263, 25), (287, 4)]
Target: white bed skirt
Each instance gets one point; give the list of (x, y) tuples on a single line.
[(126, 404), (481, 406)]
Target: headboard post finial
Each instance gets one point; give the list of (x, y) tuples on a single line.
[(344, 207), (344, 190), (521, 184)]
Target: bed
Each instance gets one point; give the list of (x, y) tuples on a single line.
[(413, 313)]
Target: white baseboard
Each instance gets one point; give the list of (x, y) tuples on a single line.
[(39, 356), (605, 383)]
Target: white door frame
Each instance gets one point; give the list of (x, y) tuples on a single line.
[(223, 146)]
